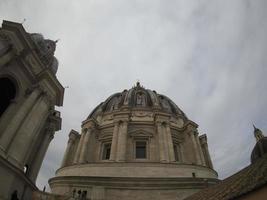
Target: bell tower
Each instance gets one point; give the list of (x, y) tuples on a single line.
[(29, 92)]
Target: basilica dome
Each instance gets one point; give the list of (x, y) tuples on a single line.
[(135, 139), (137, 98)]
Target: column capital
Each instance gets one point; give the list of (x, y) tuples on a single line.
[(162, 122), (89, 123), (73, 135)]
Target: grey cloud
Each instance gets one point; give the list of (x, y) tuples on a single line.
[(208, 56)]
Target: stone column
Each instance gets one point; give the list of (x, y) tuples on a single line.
[(21, 143), (114, 144), (199, 149), (170, 143), (71, 142), (165, 142), (78, 151), (85, 143), (122, 141), (36, 165), (204, 146), (162, 155), (13, 124), (196, 150), (208, 159)]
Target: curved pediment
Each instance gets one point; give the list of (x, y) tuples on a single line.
[(139, 133)]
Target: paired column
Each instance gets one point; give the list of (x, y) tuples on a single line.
[(199, 149), (162, 153), (85, 144), (195, 147), (72, 137), (170, 143), (114, 144), (80, 155), (205, 150), (165, 142), (122, 141), (78, 151)]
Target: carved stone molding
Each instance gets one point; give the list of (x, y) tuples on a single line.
[(179, 122), (104, 135), (140, 133)]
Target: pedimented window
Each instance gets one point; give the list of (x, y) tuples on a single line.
[(106, 151), (140, 149)]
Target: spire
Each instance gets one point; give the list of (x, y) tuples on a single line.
[(257, 133)]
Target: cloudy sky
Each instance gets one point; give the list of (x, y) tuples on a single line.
[(210, 57)]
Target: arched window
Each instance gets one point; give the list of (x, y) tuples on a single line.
[(7, 93)]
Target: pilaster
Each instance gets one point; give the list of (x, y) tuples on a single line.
[(85, 143), (170, 143), (205, 149), (72, 137), (114, 143), (122, 140), (191, 132), (162, 154), (78, 151)]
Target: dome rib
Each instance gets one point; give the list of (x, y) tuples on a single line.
[(137, 97)]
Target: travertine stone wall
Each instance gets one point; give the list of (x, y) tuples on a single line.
[(172, 164), (122, 133), (29, 121)]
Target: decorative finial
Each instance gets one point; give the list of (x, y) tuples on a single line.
[(257, 133)]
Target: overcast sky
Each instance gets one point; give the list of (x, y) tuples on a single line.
[(209, 57)]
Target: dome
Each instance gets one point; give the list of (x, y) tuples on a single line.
[(137, 98), (135, 139)]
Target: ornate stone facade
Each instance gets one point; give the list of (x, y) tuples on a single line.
[(136, 145), (28, 119)]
